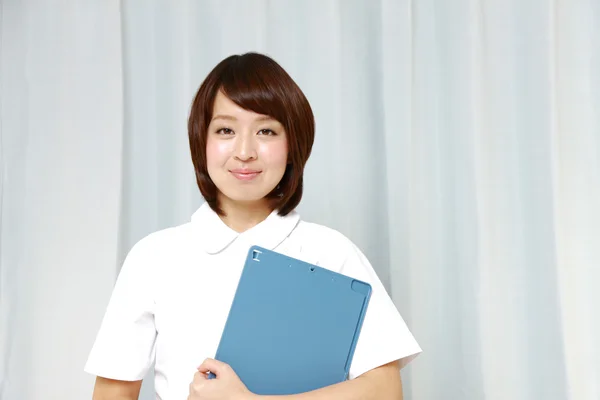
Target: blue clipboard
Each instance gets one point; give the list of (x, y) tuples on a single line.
[(292, 326)]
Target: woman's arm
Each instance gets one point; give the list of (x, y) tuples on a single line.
[(111, 389), (381, 383)]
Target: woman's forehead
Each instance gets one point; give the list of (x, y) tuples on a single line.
[(226, 109)]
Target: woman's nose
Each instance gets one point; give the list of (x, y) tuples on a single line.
[(245, 149)]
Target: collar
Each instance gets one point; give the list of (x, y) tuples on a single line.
[(214, 236)]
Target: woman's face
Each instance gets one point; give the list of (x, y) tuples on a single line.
[(246, 153)]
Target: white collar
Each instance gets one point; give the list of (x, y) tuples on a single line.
[(215, 236)]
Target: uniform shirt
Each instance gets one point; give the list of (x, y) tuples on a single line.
[(173, 295)]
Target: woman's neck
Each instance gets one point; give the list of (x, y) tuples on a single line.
[(242, 216)]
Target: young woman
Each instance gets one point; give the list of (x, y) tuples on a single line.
[(251, 131)]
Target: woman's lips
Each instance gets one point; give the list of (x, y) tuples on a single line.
[(245, 174)]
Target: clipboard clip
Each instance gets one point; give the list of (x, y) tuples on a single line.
[(255, 255)]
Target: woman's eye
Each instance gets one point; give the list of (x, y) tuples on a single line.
[(267, 132), (225, 131)]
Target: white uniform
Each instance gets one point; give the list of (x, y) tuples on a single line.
[(173, 295)]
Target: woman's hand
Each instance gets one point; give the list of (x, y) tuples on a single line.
[(226, 385)]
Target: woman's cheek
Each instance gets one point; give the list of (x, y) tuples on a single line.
[(218, 150), (274, 152)]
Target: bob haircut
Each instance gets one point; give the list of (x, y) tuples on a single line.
[(257, 83)]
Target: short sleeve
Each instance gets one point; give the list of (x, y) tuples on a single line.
[(125, 344), (384, 336)]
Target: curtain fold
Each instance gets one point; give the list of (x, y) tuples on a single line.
[(61, 131)]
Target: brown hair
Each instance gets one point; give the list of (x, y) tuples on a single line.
[(257, 83)]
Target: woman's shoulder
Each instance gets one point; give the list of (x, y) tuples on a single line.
[(311, 231), (163, 241), (322, 245)]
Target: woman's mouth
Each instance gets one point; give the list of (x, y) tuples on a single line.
[(245, 174)]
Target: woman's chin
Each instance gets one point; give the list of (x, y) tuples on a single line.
[(247, 199)]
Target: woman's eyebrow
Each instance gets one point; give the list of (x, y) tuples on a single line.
[(232, 118), (225, 117), (265, 118)]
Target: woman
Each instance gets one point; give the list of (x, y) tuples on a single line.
[(251, 131)]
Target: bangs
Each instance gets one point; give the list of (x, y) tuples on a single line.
[(257, 84)]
